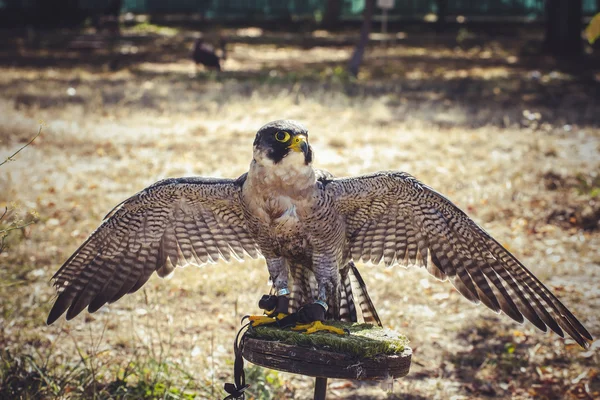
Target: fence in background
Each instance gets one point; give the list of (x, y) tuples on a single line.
[(261, 10), (274, 9)]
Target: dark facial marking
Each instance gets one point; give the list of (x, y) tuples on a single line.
[(267, 138)]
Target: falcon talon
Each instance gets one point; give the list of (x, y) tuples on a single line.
[(310, 227), (318, 326), (245, 317), (270, 312), (257, 320), (301, 327)]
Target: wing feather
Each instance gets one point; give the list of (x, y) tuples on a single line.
[(394, 217), (146, 256), (167, 225), (389, 244)]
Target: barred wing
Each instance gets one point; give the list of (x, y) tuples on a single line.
[(391, 216), (171, 223)]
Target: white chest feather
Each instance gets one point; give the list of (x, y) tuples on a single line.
[(290, 171), (282, 191)]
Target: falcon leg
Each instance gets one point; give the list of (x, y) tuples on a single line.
[(275, 307), (329, 293), (311, 317), (279, 271)]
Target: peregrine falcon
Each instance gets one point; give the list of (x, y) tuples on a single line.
[(310, 227)]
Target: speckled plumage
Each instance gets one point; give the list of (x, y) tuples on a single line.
[(310, 227)]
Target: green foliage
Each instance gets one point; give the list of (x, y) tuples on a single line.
[(592, 32), (462, 35), (151, 380), (146, 28), (588, 184), (266, 384), (28, 377), (11, 157), (10, 219), (13, 219), (511, 360)]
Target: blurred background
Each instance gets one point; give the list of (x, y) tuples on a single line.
[(492, 102)]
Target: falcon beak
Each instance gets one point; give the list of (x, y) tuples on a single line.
[(299, 143)]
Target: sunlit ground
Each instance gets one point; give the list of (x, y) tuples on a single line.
[(514, 143)]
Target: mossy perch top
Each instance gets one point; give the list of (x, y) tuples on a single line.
[(364, 341)]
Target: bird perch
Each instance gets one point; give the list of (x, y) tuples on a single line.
[(368, 353)]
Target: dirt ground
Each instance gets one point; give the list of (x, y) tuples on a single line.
[(511, 137)]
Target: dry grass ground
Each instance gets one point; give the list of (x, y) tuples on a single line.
[(508, 137)]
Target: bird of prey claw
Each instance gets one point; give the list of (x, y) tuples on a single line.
[(308, 319), (257, 320), (310, 227), (318, 326)]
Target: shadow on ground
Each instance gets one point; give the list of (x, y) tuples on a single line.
[(498, 362)]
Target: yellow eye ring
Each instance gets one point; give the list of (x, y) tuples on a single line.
[(282, 136)]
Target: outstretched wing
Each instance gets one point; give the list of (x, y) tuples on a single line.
[(393, 217), (171, 223)]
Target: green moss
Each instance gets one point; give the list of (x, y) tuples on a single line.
[(365, 340)]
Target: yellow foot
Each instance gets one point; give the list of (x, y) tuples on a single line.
[(257, 320), (317, 326)]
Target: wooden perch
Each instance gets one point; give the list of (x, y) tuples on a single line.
[(322, 363), (368, 353)]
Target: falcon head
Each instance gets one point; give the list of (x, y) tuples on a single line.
[(283, 141)]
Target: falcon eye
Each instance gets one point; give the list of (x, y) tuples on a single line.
[(282, 136)]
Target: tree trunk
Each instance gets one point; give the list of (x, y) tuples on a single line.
[(114, 8), (57, 13), (357, 56), (331, 18), (442, 10), (563, 28)]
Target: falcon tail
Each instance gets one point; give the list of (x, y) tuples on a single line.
[(369, 313), (303, 287), (347, 305), (353, 294)]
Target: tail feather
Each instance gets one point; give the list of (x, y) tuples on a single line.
[(297, 292), (347, 306), (352, 294), (365, 303), (303, 288)]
